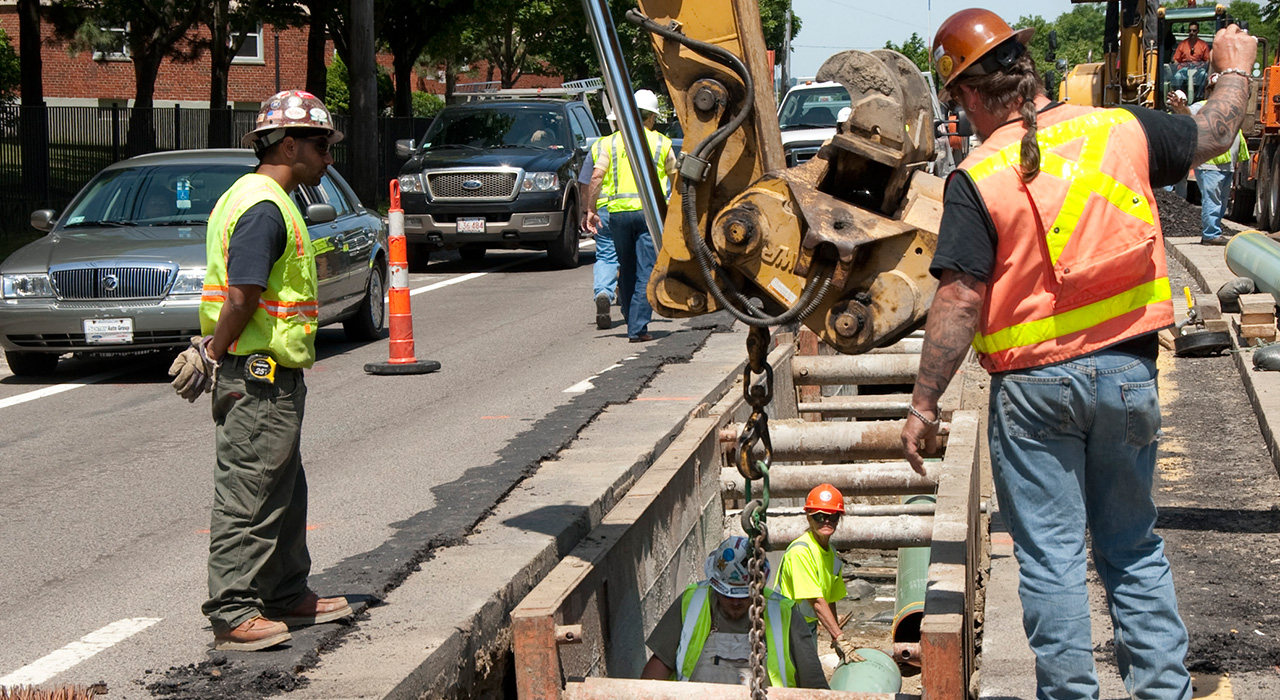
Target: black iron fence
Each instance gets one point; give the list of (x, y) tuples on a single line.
[(48, 153)]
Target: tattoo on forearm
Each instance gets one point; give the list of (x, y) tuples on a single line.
[(1219, 120), (953, 319)]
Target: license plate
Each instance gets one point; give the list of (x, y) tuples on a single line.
[(471, 225), (108, 331)]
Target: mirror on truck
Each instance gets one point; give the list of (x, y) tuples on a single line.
[(405, 147)]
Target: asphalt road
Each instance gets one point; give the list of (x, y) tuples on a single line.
[(107, 476)]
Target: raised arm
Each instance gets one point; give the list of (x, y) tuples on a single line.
[(1223, 113)]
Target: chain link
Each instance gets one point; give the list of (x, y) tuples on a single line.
[(756, 433)]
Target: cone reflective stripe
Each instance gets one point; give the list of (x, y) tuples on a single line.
[(400, 316)]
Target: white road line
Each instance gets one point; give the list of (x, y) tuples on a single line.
[(585, 385), (43, 669), (59, 388)]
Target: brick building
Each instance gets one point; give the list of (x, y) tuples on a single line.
[(107, 78)]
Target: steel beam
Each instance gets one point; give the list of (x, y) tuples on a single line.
[(875, 406), (871, 479), (875, 532), (619, 689), (855, 369)]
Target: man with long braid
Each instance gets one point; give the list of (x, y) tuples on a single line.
[(1052, 266)]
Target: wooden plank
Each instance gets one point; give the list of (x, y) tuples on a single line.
[(1208, 306), (1257, 304), (1256, 319), (1265, 331)]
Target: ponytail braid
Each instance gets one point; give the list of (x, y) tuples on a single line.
[(1016, 85)]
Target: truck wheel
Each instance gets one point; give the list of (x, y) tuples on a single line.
[(563, 251), (1241, 200), (1266, 188), (419, 253), (471, 252), (31, 364), (370, 321)]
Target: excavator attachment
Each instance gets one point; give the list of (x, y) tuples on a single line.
[(841, 242)]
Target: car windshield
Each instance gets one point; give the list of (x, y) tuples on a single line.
[(154, 195), (812, 109), (506, 126)]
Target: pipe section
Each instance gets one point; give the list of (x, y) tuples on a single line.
[(801, 441), (1252, 254), (808, 370), (876, 532), (882, 406), (870, 479), (877, 673), (913, 581)]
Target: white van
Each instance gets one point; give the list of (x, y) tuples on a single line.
[(807, 118)]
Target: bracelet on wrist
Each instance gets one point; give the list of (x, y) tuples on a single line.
[(1235, 71), (935, 423)]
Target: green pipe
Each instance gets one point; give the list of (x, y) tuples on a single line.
[(913, 580), (877, 674), (1252, 254)]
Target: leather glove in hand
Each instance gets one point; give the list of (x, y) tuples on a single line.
[(846, 650), (193, 371)]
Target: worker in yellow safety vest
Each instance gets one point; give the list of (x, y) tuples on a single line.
[(1214, 178), (259, 314), (1051, 264), (703, 637), (613, 182)]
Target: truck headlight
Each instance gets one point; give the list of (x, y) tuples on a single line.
[(189, 281), (540, 182), (29, 286), (412, 184)]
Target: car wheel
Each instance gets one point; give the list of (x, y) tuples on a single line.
[(563, 252), (1240, 206), (370, 321), (471, 252), (419, 254), (31, 364)]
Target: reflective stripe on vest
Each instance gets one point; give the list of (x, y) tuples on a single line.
[(618, 190), (288, 312), (696, 628), (1093, 275)]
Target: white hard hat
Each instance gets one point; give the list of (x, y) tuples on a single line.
[(726, 568), (647, 101)]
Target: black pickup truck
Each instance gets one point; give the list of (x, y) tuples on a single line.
[(497, 174)]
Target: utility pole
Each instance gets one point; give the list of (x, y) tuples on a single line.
[(786, 55), (362, 151)]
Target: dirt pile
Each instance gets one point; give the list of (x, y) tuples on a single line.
[(1178, 217)]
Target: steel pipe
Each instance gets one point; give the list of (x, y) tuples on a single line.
[(877, 532), (623, 689), (1252, 254), (913, 581), (854, 510), (882, 406), (855, 369), (876, 673), (870, 479), (906, 345), (907, 653), (801, 441)]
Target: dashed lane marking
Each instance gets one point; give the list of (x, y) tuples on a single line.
[(45, 668), (59, 388), (585, 385)]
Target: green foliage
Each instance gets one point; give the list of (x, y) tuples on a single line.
[(913, 49), (338, 88), (426, 104), (10, 70), (1079, 35)]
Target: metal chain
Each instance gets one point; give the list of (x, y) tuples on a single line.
[(756, 433)]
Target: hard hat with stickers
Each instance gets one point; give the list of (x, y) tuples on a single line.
[(289, 109)]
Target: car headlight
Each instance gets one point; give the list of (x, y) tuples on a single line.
[(189, 281), (540, 182), (29, 286), (412, 184)]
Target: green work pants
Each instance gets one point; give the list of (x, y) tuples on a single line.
[(258, 559)]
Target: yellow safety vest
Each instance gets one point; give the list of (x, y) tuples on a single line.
[(285, 323), (829, 580), (618, 190), (696, 628)]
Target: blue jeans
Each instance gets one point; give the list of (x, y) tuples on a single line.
[(1074, 445), (604, 273), (1215, 187), (636, 257)]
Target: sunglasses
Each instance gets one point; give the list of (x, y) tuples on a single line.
[(825, 518), (320, 143)]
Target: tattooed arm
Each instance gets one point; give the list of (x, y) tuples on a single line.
[(1219, 120), (953, 320)]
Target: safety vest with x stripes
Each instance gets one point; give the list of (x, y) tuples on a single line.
[(1080, 261)]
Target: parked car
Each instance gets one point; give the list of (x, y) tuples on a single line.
[(807, 118), (497, 174), (122, 269)]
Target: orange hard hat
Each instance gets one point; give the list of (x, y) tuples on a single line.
[(824, 498), (977, 41)]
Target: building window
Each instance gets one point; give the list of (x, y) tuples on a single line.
[(251, 50), (115, 47)]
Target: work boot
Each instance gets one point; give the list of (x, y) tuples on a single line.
[(314, 610), (251, 635), (1216, 240), (604, 320)]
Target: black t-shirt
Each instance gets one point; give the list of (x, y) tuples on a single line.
[(967, 236), (256, 244)]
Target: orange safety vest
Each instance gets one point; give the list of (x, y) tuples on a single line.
[(1080, 260)]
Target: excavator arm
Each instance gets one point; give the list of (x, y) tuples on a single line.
[(842, 242)]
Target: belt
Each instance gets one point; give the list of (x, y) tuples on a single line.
[(237, 362)]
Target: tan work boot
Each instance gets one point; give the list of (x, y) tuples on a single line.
[(251, 635), (314, 610)]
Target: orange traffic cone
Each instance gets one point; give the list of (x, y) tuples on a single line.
[(401, 359)]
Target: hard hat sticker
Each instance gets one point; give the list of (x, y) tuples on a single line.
[(294, 101), (295, 113), (945, 66), (319, 115)]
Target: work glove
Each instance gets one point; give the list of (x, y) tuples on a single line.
[(846, 650), (193, 371)]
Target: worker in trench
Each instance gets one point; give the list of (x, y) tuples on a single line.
[(1052, 266), (810, 573), (703, 636)]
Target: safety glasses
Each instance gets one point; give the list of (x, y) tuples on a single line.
[(825, 518), (320, 143)]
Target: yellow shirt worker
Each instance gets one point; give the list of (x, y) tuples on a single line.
[(810, 570)]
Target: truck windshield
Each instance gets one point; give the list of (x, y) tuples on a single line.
[(498, 127), (812, 108)]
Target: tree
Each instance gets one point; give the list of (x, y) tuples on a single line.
[(914, 49), (34, 122), (1260, 23), (152, 31), (407, 28)]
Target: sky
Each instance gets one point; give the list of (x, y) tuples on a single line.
[(831, 26)]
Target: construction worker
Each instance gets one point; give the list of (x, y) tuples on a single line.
[(604, 272), (810, 573), (703, 636), (1214, 178), (259, 314), (613, 180), (1056, 276)]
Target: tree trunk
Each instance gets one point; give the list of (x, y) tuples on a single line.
[(363, 150), (142, 130), (402, 65), (220, 56), (34, 119), (317, 72), (450, 82)]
